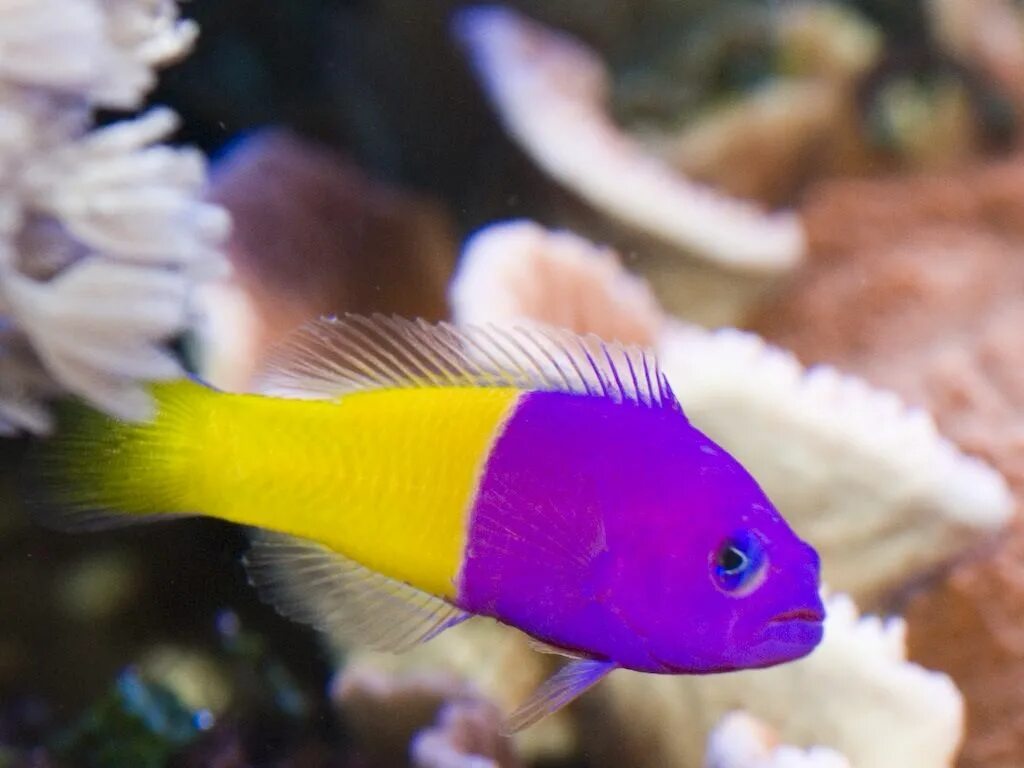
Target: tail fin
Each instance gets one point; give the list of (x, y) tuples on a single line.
[(97, 472)]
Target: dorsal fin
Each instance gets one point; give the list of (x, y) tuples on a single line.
[(331, 357)]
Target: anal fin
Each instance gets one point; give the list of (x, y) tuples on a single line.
[(310, 583), (561, 688)]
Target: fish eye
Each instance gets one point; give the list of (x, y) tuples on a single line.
[(739, 562)]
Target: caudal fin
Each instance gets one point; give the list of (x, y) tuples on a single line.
[(97, 472)]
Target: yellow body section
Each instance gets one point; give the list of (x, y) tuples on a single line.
[(386, 477)]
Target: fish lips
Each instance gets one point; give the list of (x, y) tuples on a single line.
[(794, 633)]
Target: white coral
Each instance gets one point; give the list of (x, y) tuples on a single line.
[(119, 195), (102, 50), (103, 233), (549, 91), (856, 694), (97, 328), (742, 741), (517, 270), (869, 481)]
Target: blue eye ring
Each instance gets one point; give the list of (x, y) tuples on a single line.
[(739, 563)]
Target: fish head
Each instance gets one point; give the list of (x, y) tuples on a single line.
[(726, 584)]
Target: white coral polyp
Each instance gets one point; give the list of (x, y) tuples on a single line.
[(103, 50), (130, 201), (98, 328), (150, 29), (23, 385), (742, 741), (58, 44)]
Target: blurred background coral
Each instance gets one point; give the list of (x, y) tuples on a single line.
[(812, 209)]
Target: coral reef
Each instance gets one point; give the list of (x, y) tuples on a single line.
[(988, 34), (730, 378), (874, 389), (766, 143), (804, 435), (102, 232), (915, 284), (467, 735), (500, 664)]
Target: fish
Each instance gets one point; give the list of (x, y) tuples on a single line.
[(401, 477)]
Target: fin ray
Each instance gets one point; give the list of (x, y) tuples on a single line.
[(568, 683), (310, 583), (330, 358)]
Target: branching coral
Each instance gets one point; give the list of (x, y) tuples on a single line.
[(550, 92), (102, 232)]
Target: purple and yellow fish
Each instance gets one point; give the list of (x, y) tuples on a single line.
[(404, 477)]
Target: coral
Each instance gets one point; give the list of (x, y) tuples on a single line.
[(988, 34), (915, 284), (812, 437), (763, 146), (518, 270), (102, 51), (882, 505), (441, 722), (871, 483), (466, 735), (499, 663), (322, 239), (102, 232), (766, 143), (856, 694), (550, 91), (742, 741)]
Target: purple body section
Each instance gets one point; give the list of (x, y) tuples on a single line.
[(595, 527)]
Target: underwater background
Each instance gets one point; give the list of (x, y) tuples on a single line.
[(812, 211)]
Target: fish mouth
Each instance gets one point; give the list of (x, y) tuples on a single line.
[(804, 615)]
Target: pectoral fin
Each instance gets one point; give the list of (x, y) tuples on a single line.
[(560, 689)]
